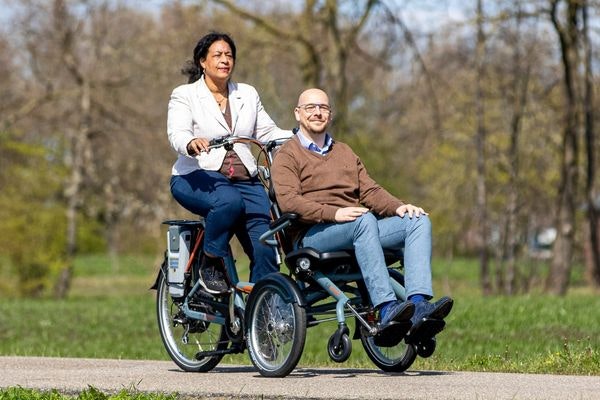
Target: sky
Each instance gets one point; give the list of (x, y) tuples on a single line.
[(415, 11)]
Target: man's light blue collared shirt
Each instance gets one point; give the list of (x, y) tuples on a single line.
[(310, 145)]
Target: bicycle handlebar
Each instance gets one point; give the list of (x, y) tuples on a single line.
[(229, 140), (220, 141)]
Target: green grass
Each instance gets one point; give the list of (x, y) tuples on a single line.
[(110, 313), (17, 393)]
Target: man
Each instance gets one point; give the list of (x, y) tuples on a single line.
[(341, 207)]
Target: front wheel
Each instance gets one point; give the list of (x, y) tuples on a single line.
[(425, 349), (396, 358), (342, 351), (183, 337), (276, 331)]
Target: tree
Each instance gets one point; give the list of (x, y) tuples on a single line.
[(481, 158), (593, 209), (516, 93), (566, 25), (96, 113), (325, 34), (30, 214), (476, 115)]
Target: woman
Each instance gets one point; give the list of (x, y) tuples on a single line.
[(221, 185)]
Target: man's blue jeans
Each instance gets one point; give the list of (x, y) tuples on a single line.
[(369, 235), (229, 207)]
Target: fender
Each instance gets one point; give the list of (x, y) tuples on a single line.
[(291, 292), (161, 271)]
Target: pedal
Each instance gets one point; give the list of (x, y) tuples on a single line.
[(211, 353), (392, 334), (425, 329)]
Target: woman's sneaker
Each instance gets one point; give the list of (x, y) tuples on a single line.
[(212, 275)]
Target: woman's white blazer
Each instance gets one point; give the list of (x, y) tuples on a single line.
[(193, 112)]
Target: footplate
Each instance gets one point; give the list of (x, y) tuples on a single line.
[(424, 330), (392, 334)]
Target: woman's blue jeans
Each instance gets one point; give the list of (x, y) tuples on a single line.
[(229, 207), (368, 236)]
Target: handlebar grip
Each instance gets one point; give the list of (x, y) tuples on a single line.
[(218, 141)]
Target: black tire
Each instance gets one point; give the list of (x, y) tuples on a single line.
[(397, 358), (201, 336), (276, 331), (342, 352), (427, 348)]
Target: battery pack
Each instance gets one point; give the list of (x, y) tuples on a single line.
[(179, 239)]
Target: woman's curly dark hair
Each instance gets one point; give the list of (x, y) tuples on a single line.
[(193, 69)]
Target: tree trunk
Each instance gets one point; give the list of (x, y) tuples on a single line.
[(519, 93), (560, 268), (79, 144), (482, 222), (111, 221), (593, 214), (73, 192)]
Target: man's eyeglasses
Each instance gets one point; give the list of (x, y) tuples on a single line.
[(310, 108)]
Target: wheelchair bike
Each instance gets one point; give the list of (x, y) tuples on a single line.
[(270, 318)]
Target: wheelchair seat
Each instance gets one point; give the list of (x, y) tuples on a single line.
[(296, 259)]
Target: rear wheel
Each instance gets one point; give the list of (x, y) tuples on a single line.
[(276, 331), (183, 337)]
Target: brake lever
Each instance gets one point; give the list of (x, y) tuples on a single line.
[(219, 141)]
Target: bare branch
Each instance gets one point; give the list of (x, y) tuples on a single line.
[(274, 30), (428, 78), (29, 107)]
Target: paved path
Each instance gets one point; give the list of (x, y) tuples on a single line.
[(71, 375)]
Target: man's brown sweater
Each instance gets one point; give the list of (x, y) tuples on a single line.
[(314, 186)]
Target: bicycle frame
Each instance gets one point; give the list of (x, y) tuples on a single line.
[(226, 309)]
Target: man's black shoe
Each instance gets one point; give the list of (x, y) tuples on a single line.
[(394, 322), (397, 311), (428, 319), (441, 308)]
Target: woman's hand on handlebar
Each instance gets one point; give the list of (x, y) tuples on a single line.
[(197, 145)]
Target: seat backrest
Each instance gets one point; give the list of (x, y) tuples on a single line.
[(283, 237)]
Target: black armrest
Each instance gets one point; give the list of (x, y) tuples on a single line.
[(287, 217)]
